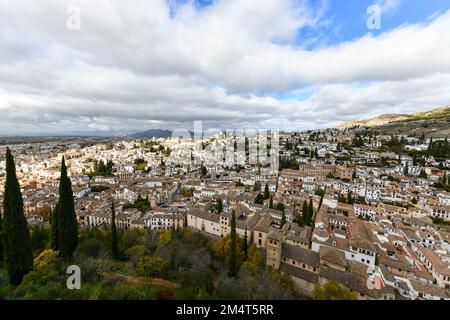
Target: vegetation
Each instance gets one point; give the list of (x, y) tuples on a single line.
[(174, 264), (1, 238), (98, 188), (333, 290), (233, 267), (102, 169), (423, 174), (283, 219), (259, 199), (65, 219), (203, 170), (280, 206), (140, 164), (15, 233), (114, 239), (219, 206), (440, 113), (443, 183), (440, 221), (307, 213), (285, 163), (439, 149), (54, 228), (140, 203), (266, 192)]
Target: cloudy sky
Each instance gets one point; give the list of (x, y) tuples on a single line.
[(287, 64)]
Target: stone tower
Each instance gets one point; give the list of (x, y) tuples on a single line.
[(273, 249)]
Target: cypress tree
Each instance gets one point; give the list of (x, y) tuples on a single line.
[(54, 228), (245, 245), (406, 170), (232, 269), (16, 236), (305, 213), (266, 192), (1, 238), (283, 219), (271, 202), (423, 174), (310, 211), (321, 200), (67, 219), (219, 206), (114, 241), (349, 197)]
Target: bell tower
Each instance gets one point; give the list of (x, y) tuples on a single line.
[(273, 249)]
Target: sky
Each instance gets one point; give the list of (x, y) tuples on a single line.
[(84, 66)]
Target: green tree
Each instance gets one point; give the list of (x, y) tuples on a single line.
[(266, 192), (423, 174), (150, 266), (1, 238), (54, 224), (245, 245), (349, 197), (332, 290), (406, 170), (280, 206), (16, 236), (321, 200), (39, 238), (283, 219), (259, 199), (219, 206), (45, 259), (232, 269), (114, 241), (204, 171), (310, 211), (305, 213), (67, 219)]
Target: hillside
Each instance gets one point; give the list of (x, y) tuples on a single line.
[(435, 122), (378, 121)]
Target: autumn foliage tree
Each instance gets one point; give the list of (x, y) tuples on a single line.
[(333, 290)]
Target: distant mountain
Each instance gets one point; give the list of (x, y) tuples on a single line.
[(439, 113), (153, 133)]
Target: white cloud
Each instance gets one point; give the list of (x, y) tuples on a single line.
[(139, 63), (387, 6)]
